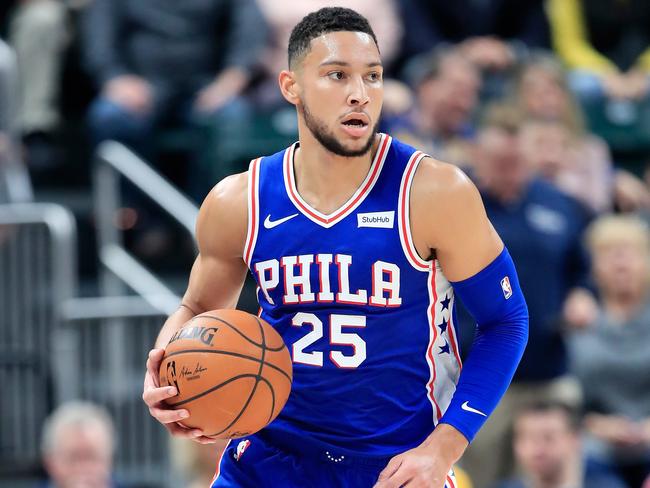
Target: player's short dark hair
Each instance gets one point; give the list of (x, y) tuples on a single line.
[(323, 21)]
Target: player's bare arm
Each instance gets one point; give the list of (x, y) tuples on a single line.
[(449, 221), (215, 282)]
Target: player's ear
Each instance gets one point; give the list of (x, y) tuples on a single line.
[(289, 86)]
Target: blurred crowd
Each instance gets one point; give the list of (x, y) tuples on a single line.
[(545, 104)]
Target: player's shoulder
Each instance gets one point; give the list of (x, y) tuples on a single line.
[(230, 194), (224, 214), (437, 181)]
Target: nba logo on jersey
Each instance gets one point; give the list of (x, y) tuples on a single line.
[(241, 448), (505, 286)]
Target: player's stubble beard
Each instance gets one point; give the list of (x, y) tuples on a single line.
[(329, 141)]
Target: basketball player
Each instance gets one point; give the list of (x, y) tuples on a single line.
[(358, 243)]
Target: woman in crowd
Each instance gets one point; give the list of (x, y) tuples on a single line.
[(611, 356)]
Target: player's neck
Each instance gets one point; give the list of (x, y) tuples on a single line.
[(325, 180)]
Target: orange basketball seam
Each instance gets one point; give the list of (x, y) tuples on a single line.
[(229, 353), (268, 383), (214, 388), (257, 378), (242, 334)]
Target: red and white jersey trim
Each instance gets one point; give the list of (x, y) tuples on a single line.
[(442, 353), (433, 339), (348, 207), (403, 210), (253, 209)]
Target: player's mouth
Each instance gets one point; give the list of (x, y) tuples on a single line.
[(355, 124)]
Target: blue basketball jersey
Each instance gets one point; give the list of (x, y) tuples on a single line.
[(368, 322)]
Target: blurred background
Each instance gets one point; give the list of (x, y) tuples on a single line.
[(118, 116)]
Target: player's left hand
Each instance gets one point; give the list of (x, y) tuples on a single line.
[(427, 465), (416, 468)]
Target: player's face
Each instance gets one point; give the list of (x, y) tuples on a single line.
[(341, 92), (544, 444), (542, 95), (621, 267), (82, 458)]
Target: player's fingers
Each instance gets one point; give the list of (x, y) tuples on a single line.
[(180, 431), (153, 363), (205, 440), (154, 396), (391, 468), (166, 416), (155, 356)]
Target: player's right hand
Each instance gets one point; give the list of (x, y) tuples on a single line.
[(154, 396)]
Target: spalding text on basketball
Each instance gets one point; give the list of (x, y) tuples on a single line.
[(203, 334)]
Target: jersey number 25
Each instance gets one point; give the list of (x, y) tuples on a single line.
[(337, 337)]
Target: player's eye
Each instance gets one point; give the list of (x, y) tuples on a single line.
[(374, 76), (336, 75)]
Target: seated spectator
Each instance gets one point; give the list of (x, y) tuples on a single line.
[(15, 185), (541, 92), (77, 446), (39, 34), (446, 96), (548, 450), (542, 228), (8, 87), (556, 155), (157, 61), (491, 32), (611, 356), (606, 44)]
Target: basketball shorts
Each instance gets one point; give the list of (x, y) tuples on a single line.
[(259, 461)]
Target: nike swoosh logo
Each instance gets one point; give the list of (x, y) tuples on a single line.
[(269, 224), (465, 406)]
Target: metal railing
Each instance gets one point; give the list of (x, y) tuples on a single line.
[(115, 163), (38, 274), (102, 346), (55, 347)]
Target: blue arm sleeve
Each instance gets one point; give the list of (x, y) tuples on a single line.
[(494, 299)]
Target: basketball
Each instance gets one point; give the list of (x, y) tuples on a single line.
[(232, 371)]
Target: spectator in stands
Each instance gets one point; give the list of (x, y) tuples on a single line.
[(441, 121), (548, 449), (606, 44), (8, 86), (38, 32), (541, 92), (156, 60), (15, 185), (611, 356), (493, 34), (542, 228), (77, 446), (490, 31), (554, 153)]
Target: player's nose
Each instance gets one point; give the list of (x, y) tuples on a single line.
[(358, 92)]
